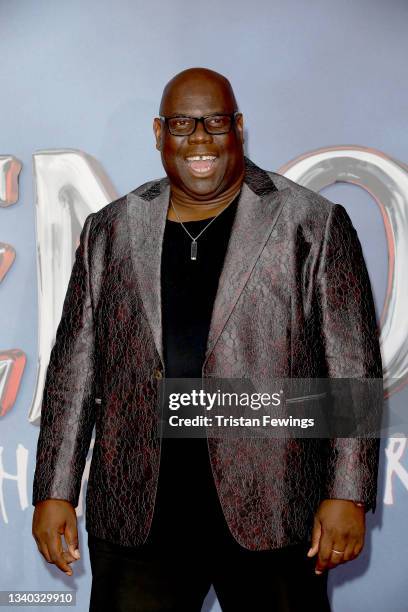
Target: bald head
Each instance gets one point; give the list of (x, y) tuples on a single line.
[(203, 163), (205, 86)]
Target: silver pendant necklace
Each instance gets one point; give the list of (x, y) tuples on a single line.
[(193, 249)]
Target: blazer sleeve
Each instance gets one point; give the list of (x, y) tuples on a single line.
[(350, 338), (68, 411)]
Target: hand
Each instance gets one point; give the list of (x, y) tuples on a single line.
[(340, 525), (53, 518)]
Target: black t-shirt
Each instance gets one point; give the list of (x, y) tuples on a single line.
[(189, 288), (187, 504)]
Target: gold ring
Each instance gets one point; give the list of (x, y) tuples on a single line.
[(339, 552)]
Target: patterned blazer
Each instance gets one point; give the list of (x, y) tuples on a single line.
[(293, 300)]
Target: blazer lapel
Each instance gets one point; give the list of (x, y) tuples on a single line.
[(258, 209), (259, 205), (147, 213)]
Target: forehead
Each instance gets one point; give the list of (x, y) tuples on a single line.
[(199, 97)]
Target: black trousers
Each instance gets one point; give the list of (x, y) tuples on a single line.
[(190, 548)]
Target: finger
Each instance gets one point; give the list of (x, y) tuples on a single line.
[(56, 552), (45, 553), (358, 548), (43, 548), (316, 534), (324, 554), (337, 552), (68, 557), (349, 551), (71, 539)]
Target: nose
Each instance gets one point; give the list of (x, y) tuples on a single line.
[(200, 135)]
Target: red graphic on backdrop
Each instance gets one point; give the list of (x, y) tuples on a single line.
[(12, 367), (7, 256)]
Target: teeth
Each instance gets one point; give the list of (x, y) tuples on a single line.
[(200, 157)]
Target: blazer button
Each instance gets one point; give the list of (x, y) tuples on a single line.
[(158, 373)]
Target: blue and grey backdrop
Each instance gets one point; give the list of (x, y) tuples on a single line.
[(322, 88)]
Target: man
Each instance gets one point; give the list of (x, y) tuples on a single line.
[(219, 269)]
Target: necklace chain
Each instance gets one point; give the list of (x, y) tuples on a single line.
[(194, 239)]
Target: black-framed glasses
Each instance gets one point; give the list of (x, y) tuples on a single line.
[(213, 124)]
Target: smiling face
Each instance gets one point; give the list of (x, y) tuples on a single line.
[(202, 165)]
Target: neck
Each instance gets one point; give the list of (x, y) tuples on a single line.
[(185, 203)]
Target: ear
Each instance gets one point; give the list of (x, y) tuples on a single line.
[(239, 122), (157, 129)]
